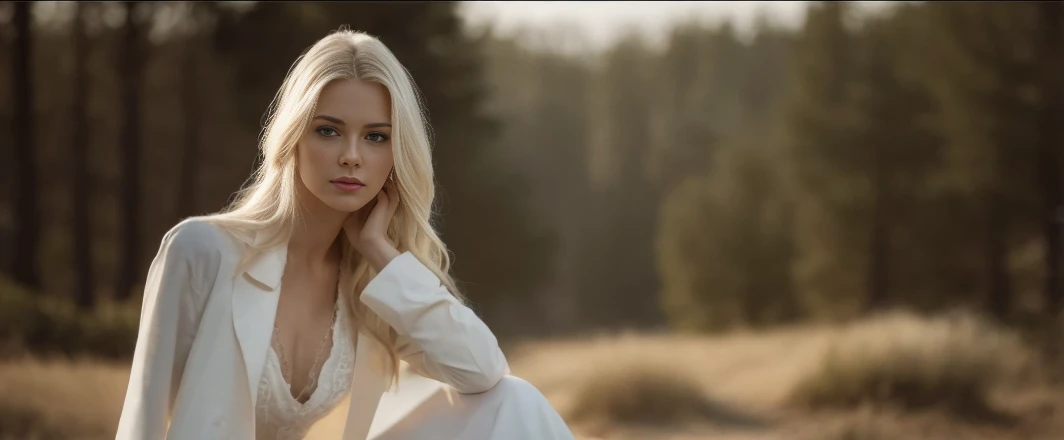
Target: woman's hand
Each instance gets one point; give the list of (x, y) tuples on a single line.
[(367, 228)]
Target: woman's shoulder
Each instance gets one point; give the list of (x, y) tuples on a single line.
[(198, 237)]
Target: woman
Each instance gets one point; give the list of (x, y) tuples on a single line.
[(325, 272)]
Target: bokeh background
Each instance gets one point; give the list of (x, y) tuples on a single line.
[(719, 220)]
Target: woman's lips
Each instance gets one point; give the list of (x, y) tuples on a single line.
[(349, 187)]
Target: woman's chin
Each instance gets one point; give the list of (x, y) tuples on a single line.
[(345, 204)]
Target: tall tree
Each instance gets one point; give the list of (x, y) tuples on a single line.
[(986, 81), (683, 128), (831, 262), (624, 201), (1050, 47), (542, 97), (866, 158), (81, 187), (129, 209), (724, 246), (896, 152), (196, 20), (24, 265)]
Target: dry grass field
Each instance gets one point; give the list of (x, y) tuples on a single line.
[(897, 377)]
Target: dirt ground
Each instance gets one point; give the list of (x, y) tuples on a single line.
[(749, 374)]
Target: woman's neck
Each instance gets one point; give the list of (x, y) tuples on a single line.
[(317, 236)]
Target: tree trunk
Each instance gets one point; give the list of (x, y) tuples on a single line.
[(1050, 141), (878, 276), (129, 267), (24, 268), (81, 187), (190, 108), (999, 284)]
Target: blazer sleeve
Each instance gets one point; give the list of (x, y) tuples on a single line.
[(168, 322), (439, 337)]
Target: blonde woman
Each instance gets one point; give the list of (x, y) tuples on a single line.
[(326, 272)]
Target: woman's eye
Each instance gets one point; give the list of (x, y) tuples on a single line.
[(327, 131), (377, 137)]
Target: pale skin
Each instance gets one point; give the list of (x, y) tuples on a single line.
[(350, 136)]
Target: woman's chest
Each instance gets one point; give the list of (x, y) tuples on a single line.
[(306, 330), (280, 415)]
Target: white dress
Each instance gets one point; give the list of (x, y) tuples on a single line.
[(278, 415), (424, 409)]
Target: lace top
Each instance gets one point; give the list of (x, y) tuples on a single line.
[(278, 415)]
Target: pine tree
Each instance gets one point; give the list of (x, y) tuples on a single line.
[(985, 78), (27, 235), (82, 225), (832, 261), (129, 214)]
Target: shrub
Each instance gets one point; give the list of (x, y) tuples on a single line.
[(46, 324), (902, 360), (645, 393)]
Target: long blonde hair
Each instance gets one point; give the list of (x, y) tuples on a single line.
[(268, 205)]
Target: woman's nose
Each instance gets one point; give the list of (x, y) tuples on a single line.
[(351, 157)]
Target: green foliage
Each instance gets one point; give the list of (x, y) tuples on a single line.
[(658, 119), (721, 181), (615, 262), (45, 324), (723, 243), (724, 246), (893, 125), (823, 151), (541, 99), (990, 94), (210, 72), (882, 216)]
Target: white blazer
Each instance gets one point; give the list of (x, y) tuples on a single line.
[(205, 330)]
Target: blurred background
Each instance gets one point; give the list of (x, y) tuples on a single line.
[(691, 220)]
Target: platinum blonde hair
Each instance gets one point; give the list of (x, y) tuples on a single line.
[(269, 205)]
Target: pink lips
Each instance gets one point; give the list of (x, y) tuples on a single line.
[(349, 184)]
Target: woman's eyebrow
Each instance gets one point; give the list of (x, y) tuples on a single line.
[(339, 121), (330, 119)]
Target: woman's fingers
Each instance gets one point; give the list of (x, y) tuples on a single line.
[(380, 215), (394, 197), (383, 197)]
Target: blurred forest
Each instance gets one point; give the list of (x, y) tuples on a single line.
[(906, 159)]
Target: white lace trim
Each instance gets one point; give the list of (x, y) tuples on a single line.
[(278, 415)]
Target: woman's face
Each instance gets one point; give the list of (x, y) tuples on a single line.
[(345, 154)]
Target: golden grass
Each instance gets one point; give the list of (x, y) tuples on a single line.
[(60, 399), (646, 393), (901, 359), (859, 426), (754, 370), (604, 384), (852, 432)]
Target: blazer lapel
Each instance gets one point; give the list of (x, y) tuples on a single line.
[(367, 386), (255, 295)]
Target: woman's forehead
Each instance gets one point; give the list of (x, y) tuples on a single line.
[(355, 100)]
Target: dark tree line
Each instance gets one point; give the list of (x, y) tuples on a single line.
[(165, 108), (864, 161)]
